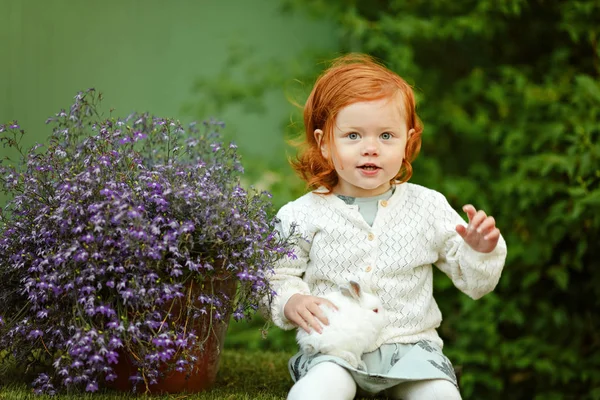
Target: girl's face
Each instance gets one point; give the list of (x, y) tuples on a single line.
[(369, 142)]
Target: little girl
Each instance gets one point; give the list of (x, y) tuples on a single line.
[(364, 221)]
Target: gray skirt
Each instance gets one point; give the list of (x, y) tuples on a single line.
[(388, 366)]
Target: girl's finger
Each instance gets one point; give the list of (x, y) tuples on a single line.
[(493, 235), (461, 230), (487, 225), (318, 313), (298, 320), (310, 321), (327, 303), (470, 210), (477, 220)]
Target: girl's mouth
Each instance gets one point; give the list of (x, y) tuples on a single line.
[(369, 167)]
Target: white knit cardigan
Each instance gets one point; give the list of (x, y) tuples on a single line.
[(412, 230)]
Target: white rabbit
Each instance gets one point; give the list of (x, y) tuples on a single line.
[(352, 328)]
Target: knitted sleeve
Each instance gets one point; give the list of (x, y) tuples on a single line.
[(472, 272), (288, 272)]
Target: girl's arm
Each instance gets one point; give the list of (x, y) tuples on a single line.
[(286, 279), (474, 272)]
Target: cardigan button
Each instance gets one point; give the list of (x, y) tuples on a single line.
[(384, 203), (368, 269), (370, 236)]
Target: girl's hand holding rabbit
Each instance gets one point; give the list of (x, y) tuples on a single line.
[(481, 233), (354, 325), (304, 311)]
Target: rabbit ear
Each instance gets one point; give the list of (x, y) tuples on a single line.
[(353, 291)]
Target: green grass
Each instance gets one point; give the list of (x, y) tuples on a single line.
[(243, 375)]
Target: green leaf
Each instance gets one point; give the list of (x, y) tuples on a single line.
[(591, 86), (592, 199), (560, 275), (530, 278)]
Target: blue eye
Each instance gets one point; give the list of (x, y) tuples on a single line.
[(386, 136), (353, 136)]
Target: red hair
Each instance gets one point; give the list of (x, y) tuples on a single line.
[(351, 79)]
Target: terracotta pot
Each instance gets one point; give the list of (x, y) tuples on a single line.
[(205, 370)]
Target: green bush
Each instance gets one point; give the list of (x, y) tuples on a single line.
[(509, 94)]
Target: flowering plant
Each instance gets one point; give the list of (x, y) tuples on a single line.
[(108, 225)]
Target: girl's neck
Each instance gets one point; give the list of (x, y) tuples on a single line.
[(385, 194), (358, 192)]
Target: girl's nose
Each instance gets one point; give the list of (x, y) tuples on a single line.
[(370, 147)]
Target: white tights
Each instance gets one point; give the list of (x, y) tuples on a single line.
[(329, 381), (324, 381), (438, 389)]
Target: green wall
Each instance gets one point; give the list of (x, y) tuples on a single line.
[(144, 56)]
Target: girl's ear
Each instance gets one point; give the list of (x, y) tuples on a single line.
[(410, 133), (319, 138)]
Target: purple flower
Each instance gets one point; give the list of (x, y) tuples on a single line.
[(117, 233), (244, 275), (192, 265), (176, 272), (138, 135), (115, 342), (81, 255), (91, 387), (186, 227), (165, 355), (112, 357), (88, 238), (238, 315), (106, 310), (87, 290), (127, 294), (96, 359), (106, 192), (34, 334), (180, 365), (133, 214)]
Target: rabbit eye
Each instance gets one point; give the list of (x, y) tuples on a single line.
[(376, 310)]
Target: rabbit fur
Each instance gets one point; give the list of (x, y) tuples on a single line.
[(352, 329)]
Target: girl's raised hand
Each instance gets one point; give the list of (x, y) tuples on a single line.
[(481, 233), (304, 311)]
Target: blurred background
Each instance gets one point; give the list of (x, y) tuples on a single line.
[(508, 90)]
